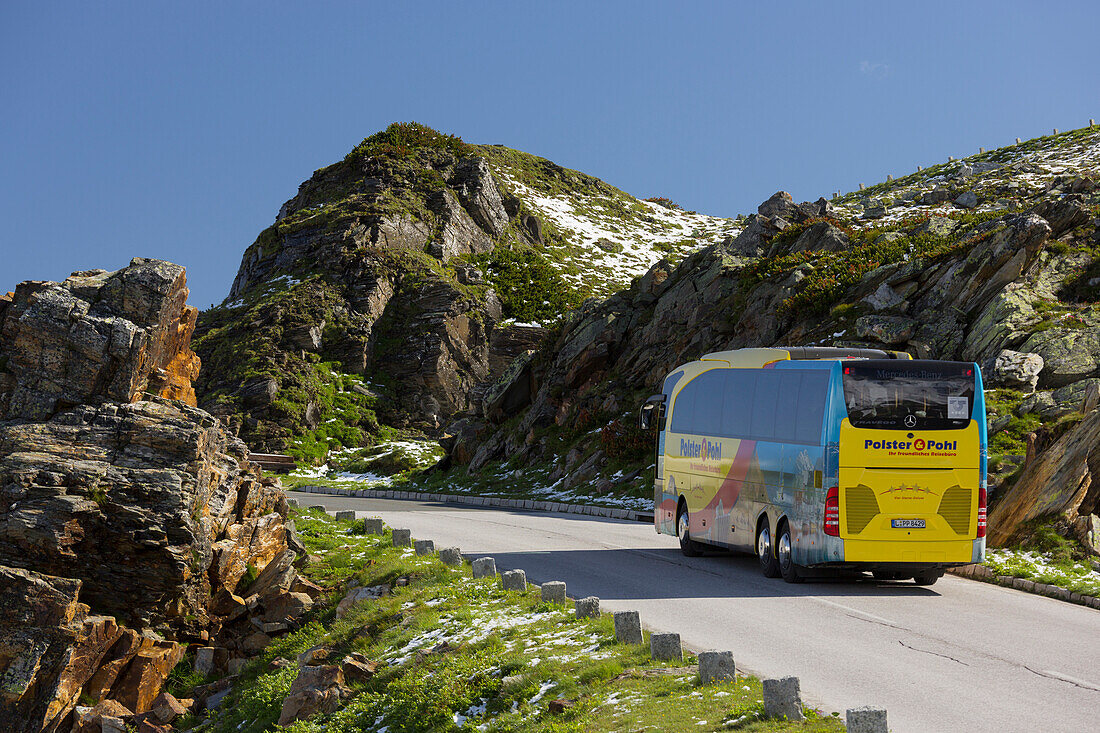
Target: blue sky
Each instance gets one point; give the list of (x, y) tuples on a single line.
[(176, 130)]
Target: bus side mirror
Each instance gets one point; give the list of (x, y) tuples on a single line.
[(649, 409)]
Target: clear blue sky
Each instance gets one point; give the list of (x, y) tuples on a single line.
[(176, 130)]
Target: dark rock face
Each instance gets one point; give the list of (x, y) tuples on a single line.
[(98, 336), (371, 241), (142, 506), (130, 499), (1063, 480)]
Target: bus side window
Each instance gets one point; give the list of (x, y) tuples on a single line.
[(737, 405), (811, 404), (710, 396), (683, 410), (786, 406), (764, 398)]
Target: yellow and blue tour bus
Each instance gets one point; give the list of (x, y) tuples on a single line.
[(823, 458)]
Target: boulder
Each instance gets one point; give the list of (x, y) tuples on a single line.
[(315, 690), (358, 668), (888, 330), (1064, 213), (780, 204), (140, 684), (884, 298), (967, 200), (1074, 397), (937, 226), (97, 337), (821, 236), (360, 594), (166, 708), (1013, 369), (287, 607), (753, 240), (937, 195), (1069, 354)]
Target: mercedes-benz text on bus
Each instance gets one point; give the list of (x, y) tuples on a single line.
[(817, 457)]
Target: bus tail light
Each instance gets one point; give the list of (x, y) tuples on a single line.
[(832, 512), (981, 512)]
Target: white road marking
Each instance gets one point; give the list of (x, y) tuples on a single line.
[(857, 612)]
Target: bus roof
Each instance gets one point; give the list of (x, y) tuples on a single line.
[(748, 358)]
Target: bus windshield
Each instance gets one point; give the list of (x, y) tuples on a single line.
[(924, 395)]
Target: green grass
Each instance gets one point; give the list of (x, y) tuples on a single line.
[(459, 653), (828, 275), (529, 287), (1047, 556)]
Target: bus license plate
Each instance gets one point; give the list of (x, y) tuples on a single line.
[(907, 523)]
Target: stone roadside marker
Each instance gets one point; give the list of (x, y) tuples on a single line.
[(628, 627), (318, 507), (553, 592), (782, 699), (666, 648), (292, 503), (513, 580), (424, 547), (484, 567), (402, 537), (348, 516), (866, 720), (716, 667), (373, 525), (588, 607), (450, 556)]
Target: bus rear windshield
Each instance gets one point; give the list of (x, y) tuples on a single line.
[(920, 395)]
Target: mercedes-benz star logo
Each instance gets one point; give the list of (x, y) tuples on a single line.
[(910, 421)]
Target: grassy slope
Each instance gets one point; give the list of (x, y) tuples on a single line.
[(461, 653), (597, 236)]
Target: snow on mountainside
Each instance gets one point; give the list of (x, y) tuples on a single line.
[(997, 178), (602, 237)]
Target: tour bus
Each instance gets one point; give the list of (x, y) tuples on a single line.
[(822, 457)]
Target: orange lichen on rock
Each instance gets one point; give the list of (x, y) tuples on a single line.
[(173, 379)]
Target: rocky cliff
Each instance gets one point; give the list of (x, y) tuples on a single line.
[(130, 522), (993, 259), (383, 297)]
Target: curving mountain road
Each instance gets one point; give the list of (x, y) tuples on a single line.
[(958, 656)]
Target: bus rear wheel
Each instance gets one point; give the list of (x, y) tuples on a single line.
[(927, 577), (688, 546), (765, 552), (787, 568)]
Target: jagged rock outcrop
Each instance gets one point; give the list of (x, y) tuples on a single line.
[(1063, 480), (358, 273), (97, 337), (127, 520), (132, 500)]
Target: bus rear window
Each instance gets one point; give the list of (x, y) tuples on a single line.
[(921, 395)]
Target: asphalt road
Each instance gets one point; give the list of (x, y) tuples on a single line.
[(958, 656)]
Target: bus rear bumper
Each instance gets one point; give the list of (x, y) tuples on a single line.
[(885, 567), (911, 552)]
